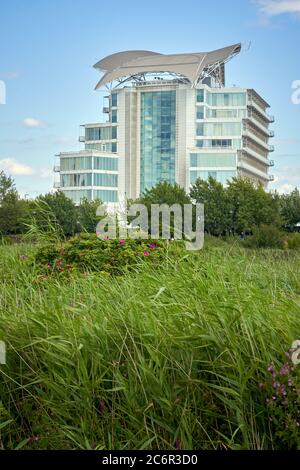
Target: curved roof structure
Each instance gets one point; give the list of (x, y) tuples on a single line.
[(191, 66)]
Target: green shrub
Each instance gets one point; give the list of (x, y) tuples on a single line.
[(87, 252), (265, 236), (293, 241)]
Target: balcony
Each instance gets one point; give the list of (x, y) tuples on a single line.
[(81, 138), (56, 185), (271, 177), (56, 168), (271, 148), (271, 163), (271, 118), (271, 133), (105, 110)]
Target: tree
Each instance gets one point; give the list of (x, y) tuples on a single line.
[(58, 209), (86, 213), (213, 195), (250, 205), (164, 193), (290, 207), (13, 210)]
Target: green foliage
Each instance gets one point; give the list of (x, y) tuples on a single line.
[(182, 349), (13, 210), (88, 253), (265, 236), (216, 207), (251, 206), (164, 193), (86, 213), (61, 210), (293, 241), (290, 207)]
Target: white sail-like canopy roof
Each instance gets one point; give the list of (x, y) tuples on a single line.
[(190, 66)]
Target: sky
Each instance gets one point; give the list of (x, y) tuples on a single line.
[(48, 48)]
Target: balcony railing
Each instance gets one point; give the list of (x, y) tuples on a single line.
[(271, 162), (105, 110), (271, 118), (56, 184), (271, 133), (271, 148), (56, 168), (81, 138), (271, 177)]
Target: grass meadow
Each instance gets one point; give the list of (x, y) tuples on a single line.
[(183, 355)]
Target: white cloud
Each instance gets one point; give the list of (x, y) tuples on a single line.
[(12, 167), (271, 8), (286, 179), (33, 123)]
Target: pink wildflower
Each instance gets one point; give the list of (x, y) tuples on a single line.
[(146, 253), (122, 242)]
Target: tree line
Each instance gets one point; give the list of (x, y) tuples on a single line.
[(238, 207)]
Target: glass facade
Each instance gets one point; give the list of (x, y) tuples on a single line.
[(221, 176), (78, 163), (105, 179), (78, 179), (225, 113), (158, 137), (100, 133), (105, 163), (107, 147), (219, 143), (78, 195), (219, 129), (200, 96), (114, 115), (226, 99), (114, 99), (212, 160), (106, 195)]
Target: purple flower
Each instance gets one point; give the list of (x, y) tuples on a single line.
[(122, 242), (146, 253), (152, 245)]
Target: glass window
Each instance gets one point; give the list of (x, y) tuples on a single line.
[(105, 163), (200, 112), (76, 163), (77, 179), (221, 176), (77, 195), (219, 129), (114, 132), (105, 179), (199, 160), (200, 95), (106, 195), (158, 136), (114, 99), (228, 99), (114, 115)]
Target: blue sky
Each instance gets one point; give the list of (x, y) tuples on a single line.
[(47, 49)]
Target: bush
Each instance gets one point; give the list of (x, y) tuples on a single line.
[(293, 241), (87, 252), (265, 236)]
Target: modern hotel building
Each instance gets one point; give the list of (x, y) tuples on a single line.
[(169, 118)]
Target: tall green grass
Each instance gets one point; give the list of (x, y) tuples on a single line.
[(162, 358)]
